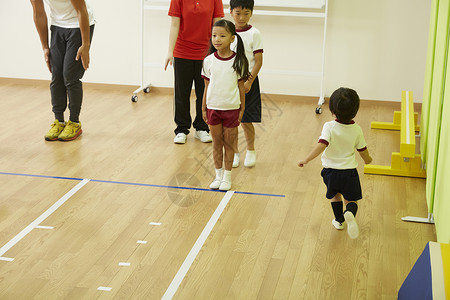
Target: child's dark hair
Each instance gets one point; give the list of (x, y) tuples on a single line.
[(240, 64), (244, 4), (344, 104)]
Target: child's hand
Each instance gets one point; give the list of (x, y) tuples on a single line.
[(248, 86), (302, 163), (241, 114), (205, 116), (368, 160)]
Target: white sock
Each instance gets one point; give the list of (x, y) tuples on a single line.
[(226, 176), (219, 173)]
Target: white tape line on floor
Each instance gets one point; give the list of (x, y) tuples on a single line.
[(173, 287), (42, 217)]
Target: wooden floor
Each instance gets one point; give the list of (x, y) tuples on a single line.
[(273, 240)]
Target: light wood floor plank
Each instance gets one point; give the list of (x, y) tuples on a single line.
[(262, 246)]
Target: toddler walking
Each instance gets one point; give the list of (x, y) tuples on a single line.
[(338, 142)]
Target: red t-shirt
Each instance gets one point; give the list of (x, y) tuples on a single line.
[(196, 18)]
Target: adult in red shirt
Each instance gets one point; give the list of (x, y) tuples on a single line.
[(190, 32)]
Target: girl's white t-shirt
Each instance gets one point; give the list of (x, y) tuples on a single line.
[(62, 13), (342, 141), (223, 90)]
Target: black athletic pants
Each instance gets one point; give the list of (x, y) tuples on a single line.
[(66, 71), (187, 72)]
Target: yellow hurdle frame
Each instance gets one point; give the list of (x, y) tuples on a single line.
[(406, 162)]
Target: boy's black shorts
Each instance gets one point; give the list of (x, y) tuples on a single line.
[(346, 182), (252, 112)]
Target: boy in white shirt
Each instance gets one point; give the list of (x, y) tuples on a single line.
[(338, 142), (241, 11)]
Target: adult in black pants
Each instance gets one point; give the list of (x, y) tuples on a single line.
[(187, 72), (189, 37), (67, 58)]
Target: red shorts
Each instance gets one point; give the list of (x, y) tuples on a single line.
[(228, 118)]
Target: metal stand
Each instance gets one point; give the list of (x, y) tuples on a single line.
[(145, 88), (322, 95), (429, 220)]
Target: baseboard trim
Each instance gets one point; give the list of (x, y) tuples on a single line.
[(166, 90)]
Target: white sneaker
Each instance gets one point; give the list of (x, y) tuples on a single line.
[(352, 227), (180, 138), (337, 225), (215, 184), (203, 136), (250, 158), (236, 160), (225, 185)]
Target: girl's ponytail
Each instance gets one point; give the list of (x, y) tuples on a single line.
[(240, 64)]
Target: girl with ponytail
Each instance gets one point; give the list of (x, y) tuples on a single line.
[(224, 72)]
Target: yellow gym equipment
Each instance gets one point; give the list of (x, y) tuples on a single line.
[(406, 162)]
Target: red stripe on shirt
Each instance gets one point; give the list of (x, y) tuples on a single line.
[(322, 141), (244, 29)]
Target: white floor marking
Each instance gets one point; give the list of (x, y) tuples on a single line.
[(173, 287), (44, 227), (154, 223), (42, 217), (104, 288), (141, 242), (6, 258), (124, 264)]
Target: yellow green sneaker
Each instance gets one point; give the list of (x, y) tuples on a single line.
[(55, 131), (70, 132)]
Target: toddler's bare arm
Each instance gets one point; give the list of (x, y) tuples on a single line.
[(366, 156), (318, 149)]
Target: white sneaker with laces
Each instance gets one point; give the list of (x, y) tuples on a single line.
[(250, 158), (337, 225), (236, 160), (225, 185), (203, 136), (352, 227), (180, 138), (215, 184)]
